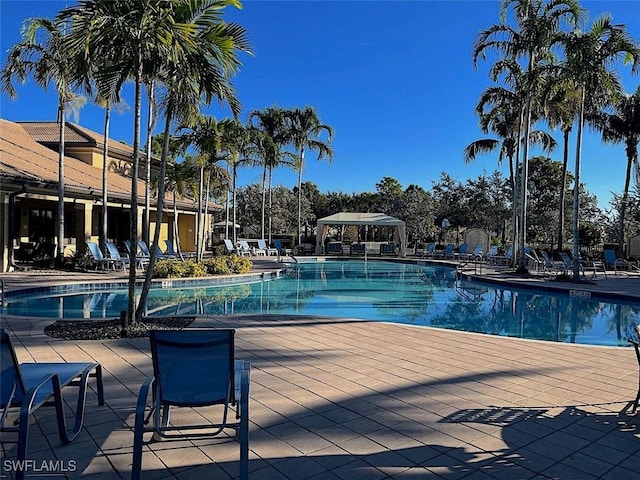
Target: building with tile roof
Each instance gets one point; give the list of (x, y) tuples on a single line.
[(29, 192)]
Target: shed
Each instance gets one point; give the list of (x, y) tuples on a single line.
[(355, 218)]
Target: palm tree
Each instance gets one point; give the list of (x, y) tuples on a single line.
[(304, 132), (504, 117), (623, 126), (561, 106), (589, 56), (532, 40), (272, 121), (43, 53)]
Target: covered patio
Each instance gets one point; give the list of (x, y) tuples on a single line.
[(356, 218)]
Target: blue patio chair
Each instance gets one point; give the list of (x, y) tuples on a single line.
[(142, 261), (262, 244), (172, 251), (121, 261), (462, 251), (282, 250), (193, 368), (29, 386), (357, 249), (334, 247), (97, 258), (610, 260), (388, 249)]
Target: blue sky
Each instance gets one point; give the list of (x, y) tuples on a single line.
[(393, 78)]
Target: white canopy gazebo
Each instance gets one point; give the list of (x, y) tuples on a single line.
[(355, 218)]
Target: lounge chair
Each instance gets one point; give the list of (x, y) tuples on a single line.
[(119, 260), (262, 244), (29, 386), (504, 259), (533, 260), (492, 254), (334, 247), (141, 260), (245, 249), (477, 254), (357, 249), (549, 265), (214, 377), (462, 251), (446, 253), (97, 258), (611, 261), (388, 249), (257, 251), (282, 250), (171, 251), (237, 250), (430, 250)]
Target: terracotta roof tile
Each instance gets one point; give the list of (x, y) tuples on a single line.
[(23, 160)]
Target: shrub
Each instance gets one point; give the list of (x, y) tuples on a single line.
[(220, 265), (239, 264), (217, 265)]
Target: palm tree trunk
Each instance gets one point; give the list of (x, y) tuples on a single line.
[(133, 218), (270, 199), (563, 187), (623, 205), (226, 207), (234, 201), (576, 193), (176, 232), (199, 215), (146, 224), (60, 249), (300, 196), (522, 262), (105, 158), (264, 198), (159, 211)]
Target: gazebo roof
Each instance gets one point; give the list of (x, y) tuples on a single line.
[(357, 218)]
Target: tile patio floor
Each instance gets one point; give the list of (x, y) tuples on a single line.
[(351, 400)]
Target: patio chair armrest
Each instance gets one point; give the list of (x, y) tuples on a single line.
[(138, 430), (245, 375)]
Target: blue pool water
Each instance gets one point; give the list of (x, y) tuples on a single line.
[(373, 290)]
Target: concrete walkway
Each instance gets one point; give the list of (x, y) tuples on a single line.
[(342, 399)]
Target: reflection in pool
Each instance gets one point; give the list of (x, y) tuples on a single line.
[(372, 290)]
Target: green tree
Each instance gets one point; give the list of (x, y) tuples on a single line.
[(304, 131), (43, 53), (623, 126), (273, 122), (531, 40), (589, 58)]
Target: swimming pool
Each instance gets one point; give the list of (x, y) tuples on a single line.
[(369, 290)]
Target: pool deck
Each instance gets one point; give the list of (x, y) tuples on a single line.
[(344, 399)]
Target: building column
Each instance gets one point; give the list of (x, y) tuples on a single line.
[(4, 232)]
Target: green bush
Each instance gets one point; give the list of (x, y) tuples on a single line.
[(239, 264), (219, 265)]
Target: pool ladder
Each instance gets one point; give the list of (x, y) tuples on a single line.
[(1, 292)]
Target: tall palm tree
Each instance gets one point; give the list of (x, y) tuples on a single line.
[(531, 40), (44, 54), (623, 126), (561, 104), (305, 129), (272, 121), (589, 58)]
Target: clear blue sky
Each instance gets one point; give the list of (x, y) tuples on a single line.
[(393, 78)]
